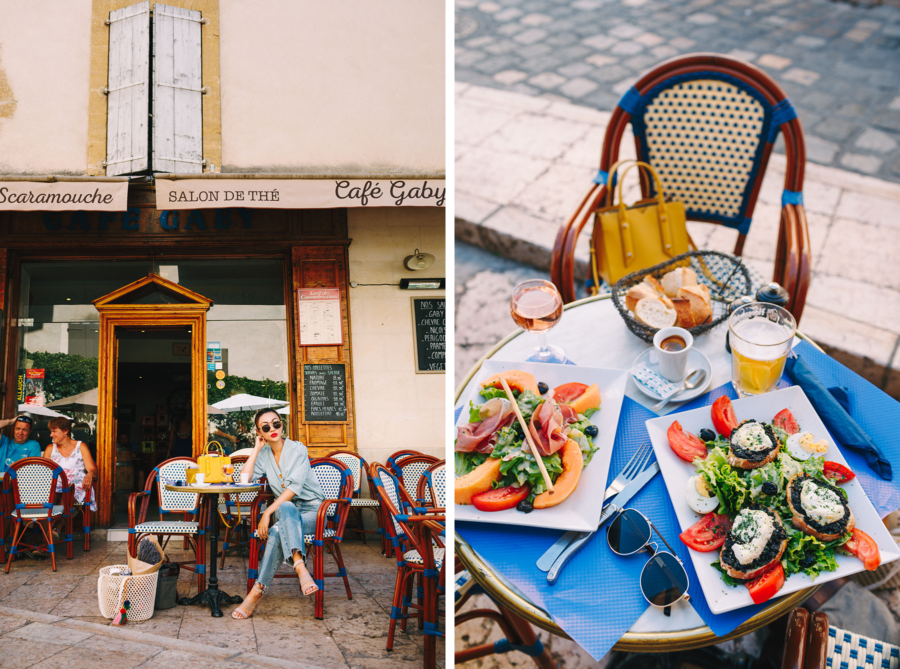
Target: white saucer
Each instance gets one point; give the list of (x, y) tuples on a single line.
[(696, 360)]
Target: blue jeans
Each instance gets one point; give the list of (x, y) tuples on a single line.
[(286, 536)]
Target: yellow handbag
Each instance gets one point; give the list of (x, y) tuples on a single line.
[(212, 466), (628, 239)]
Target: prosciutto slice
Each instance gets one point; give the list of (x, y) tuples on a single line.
[(549, 426), (481, 437)]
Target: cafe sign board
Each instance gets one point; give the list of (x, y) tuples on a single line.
[(63, 196), (298, 193)]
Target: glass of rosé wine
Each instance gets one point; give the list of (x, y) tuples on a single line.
[(536, 306)]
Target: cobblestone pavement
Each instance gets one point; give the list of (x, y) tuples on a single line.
[(283, 632), (838, 63)]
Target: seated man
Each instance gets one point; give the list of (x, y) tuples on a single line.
[(20, 446)]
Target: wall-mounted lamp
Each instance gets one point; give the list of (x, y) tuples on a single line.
[(421, 284), (418, 261)]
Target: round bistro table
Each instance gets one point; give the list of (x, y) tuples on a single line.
[(212, 595), (592, 334)]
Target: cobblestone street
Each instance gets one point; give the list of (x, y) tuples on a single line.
[(838, 63)]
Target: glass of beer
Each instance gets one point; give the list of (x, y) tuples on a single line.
[(761, 338), (536, 306)]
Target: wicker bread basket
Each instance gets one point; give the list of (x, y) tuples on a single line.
[(726, 276)]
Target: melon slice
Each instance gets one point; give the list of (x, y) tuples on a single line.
[(517, 380), (476, 481), (589, 399), (565, 485)]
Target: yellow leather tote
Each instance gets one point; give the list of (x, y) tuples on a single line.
[(630, 238), (212, 466)]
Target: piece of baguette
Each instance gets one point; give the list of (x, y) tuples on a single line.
[(682, 307), (673, 281), (652, 311), (655, 285), (700, 302), (637, 293)]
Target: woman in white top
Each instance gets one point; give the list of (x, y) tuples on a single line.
[(74, 458)]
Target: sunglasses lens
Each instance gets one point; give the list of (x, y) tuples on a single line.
[(628, 533), (663, 581)]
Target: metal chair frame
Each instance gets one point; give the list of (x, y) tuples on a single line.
[(84, 508), (792, 255), (138, 517), (238, 461), (336, 520), (17, 506), (419, 532)]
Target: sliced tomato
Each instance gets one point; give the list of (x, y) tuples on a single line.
[(723, 417), (786, 421), (500, 499), (864, 547), (687, 446), (763, 588), (568, 391), (708, 533), (837, 471)]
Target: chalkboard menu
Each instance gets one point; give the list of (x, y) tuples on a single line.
[(325, 393), (430, 330)]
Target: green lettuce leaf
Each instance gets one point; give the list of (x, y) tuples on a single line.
[(466, 462), (726, 481), (519, 466), (474, 415), (491, 392), (528, 402)]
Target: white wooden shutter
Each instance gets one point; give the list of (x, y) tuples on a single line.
[(128, 105), (177, 80)]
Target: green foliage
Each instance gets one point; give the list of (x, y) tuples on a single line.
[(65, 374), (276, 390)]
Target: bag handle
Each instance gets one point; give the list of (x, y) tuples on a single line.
[(221, 449)]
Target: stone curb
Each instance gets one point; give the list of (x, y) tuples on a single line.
[(156, 640)]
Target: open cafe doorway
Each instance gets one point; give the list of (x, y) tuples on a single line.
[(153, 407)]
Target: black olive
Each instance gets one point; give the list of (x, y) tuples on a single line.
[(808, 560), (543, 387), (517, 428), (591, 431), (769, 488), (525, 506), (707, 435)]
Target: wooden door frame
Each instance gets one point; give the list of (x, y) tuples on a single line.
[(191, 315)]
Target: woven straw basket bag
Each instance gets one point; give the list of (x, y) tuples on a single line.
[(114, 589)]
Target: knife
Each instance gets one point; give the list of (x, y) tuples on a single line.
[(549, 557), (609, 511)]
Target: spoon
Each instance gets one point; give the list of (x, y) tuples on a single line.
[(693, 380)]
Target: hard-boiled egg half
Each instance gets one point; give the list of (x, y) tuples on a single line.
[(699, 495), (803, 445)]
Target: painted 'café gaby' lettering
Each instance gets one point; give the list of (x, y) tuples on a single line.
[(398, 192), (129, 220)]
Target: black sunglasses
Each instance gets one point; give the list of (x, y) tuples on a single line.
[(664, 580), (276, 424), (23, 419)]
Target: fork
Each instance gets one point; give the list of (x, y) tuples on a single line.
[(632, 468)]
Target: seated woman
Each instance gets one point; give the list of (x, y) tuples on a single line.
[(74, 458), (285, 464)]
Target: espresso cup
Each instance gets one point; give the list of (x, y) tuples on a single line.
[(672, 364), (199, 479), (245, 476)]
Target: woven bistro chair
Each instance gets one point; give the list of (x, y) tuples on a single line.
[(188, 504), (420, 554), (336, 481), (398, 456), (432, 487), (228, 508), (359, 468), (811, 642), (410, 469), (32, 482), (707, 123)]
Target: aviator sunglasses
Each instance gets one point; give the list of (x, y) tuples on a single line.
[(664, 580), (276, 425)]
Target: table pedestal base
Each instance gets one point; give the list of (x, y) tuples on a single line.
[(214, 598)]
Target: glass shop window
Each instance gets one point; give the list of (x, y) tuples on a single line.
[(58, 340)]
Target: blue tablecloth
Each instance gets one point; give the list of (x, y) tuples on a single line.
[(597, 598)]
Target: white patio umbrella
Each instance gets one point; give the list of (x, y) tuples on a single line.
[(86, 402), (245, 402), (284, 410), (40, 411)]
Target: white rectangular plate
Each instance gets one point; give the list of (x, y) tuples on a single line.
[(581, 511), (676, 472)]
